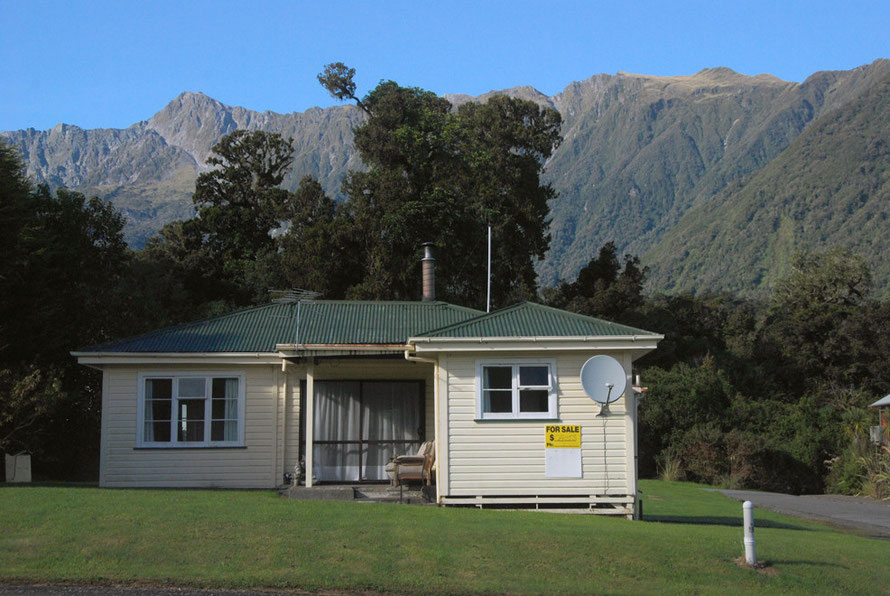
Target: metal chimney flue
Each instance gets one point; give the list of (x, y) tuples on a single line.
[(429, 272)]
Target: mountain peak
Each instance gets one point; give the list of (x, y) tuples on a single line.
[(194, 99), (197, 95), (718, 71), (193, 122), (722, 74)]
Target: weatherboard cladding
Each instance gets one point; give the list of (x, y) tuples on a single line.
[(261, 328), (528, 319)]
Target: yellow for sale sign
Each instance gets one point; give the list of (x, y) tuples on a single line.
[(562, 436)]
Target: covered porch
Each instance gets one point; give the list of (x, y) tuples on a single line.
[(358, 412)]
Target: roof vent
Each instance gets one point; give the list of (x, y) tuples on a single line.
[(429, 272)]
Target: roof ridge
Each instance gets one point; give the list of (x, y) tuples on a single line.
[(473, 320), (372, 302), (461, 307)]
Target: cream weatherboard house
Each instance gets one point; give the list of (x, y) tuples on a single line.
[(340, 387)]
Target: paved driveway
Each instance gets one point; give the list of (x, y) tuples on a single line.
[(865, 516)]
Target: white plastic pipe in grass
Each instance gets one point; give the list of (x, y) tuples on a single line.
[(748, 514)]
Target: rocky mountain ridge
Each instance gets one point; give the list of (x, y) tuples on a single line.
[(640, 153)]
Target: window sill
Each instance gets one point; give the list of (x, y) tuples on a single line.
[(186, 447), (548, 419)]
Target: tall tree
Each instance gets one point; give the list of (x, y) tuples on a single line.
[(441, 176), (806, 325), (64, 257), (17, 219), (176, 279), (314, 251), (604, 288), (240, 201), (227, 255), (70, 253)]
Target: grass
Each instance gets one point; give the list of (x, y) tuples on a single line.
[(235, 539)]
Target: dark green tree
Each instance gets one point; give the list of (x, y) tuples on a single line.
[(227, 256), (315, 249), (240, 201), (806, 331), (59, 291), (604, 288), (18, 221), (679, 400), (436, 175), (338, 79), (176, 279), (72, 253)]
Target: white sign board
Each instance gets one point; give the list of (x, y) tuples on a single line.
[(562, 451)]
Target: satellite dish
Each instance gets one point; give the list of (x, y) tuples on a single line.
[(603, 379)]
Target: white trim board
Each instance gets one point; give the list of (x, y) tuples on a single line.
[(137, 358), (639, 345)]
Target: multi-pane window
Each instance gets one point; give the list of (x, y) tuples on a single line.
[(516, 390), (191, 410)]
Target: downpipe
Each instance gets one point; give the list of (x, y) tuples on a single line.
[(420, 359)]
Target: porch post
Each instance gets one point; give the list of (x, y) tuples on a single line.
[(442, 428), (310, 417), (436, 432)]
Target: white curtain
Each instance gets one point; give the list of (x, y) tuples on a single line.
[(158, 409), (391, 412), (224, 410), (149, 417), (231, 424), (336, 419)]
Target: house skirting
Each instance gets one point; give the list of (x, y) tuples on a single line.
[(624, 505)]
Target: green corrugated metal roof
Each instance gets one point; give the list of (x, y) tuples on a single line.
[(331, 322), (345, 322), (251, 330), (528, 319), (261, 328)]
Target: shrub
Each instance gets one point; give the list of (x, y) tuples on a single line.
[(846, 471), (745, 453), (678, 400), (876, 480), (669, 466), (703, 453)]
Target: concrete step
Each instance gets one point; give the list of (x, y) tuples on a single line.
[(368, 493), (390, 494), (321, 493)]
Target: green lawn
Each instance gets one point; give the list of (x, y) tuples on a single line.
[(257, 539)]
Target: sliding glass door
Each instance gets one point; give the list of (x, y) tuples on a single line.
[(361, 425)]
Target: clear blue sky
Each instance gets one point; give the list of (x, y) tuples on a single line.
[(111, 64)]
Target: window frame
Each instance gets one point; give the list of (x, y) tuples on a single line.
[(175, 377), (552, 412)]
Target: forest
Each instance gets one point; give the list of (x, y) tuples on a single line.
[(755, 393)]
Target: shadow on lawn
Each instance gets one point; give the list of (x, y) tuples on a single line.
[(813, 563), (721, 521)]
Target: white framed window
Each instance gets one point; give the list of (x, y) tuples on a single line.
[(190, 410), (516, 389)]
